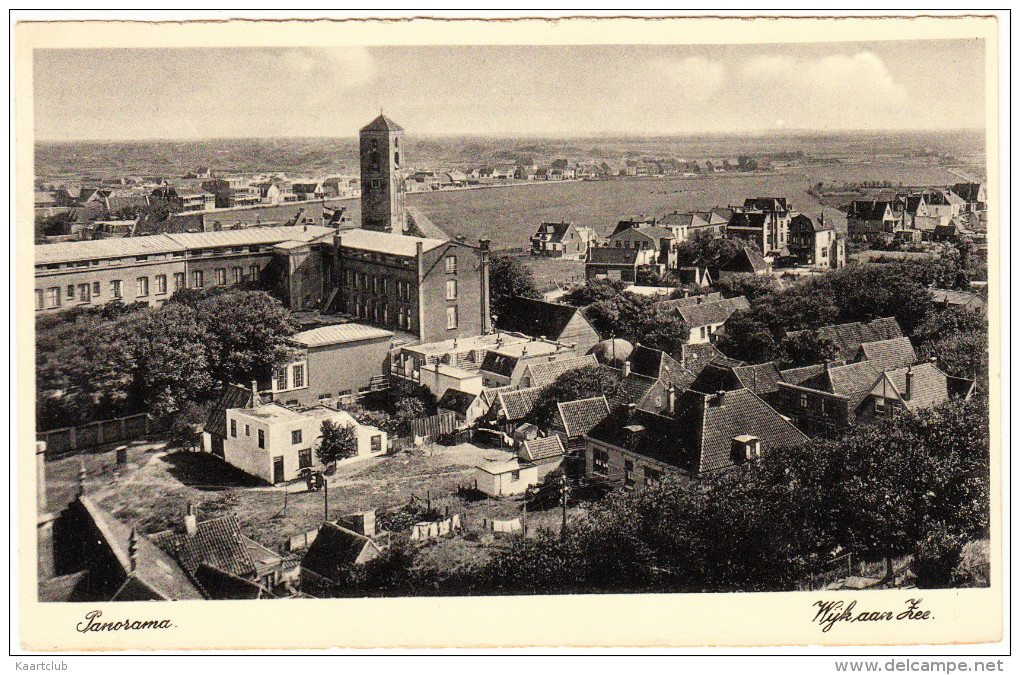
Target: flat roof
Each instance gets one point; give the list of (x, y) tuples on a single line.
[(386, 242), (340, 334)]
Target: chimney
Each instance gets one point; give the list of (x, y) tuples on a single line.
[(362, 522), (631, 411), (40, 476), (483, 281), (133, 549), (190, 521), (908, 389), (719, 399), (626, 368), (254, 393), (671, 400)]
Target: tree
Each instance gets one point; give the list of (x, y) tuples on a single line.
[(747, 338), (420, 402), (755, 287), (949, 322), (595, 290), (635, 318), (805, 349), (508, 278), (961, 355), (937, 558), (339, 441), (874, 291), (583, 382), (706, 250)]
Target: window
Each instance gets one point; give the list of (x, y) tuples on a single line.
[(160, 284), (451, 264), (97, 288), (233, 428), (178, 281), (803, 400), (451, 317), (515, 475), (304, 458), (70, 291), (197, 279), (53, 296), (221, 276), (299, 376), (628, 473), (880, 404), (238, 275), (142, 286), (703, 332), (600, 461), (451, 289), (295, 437), (281, 378), (652, 475), (84, 292), (247, 430), (39, 304), (254, 272), (377, 443)]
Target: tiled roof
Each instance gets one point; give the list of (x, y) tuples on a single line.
[(490, 394), (852, 381), (536, 318), (554, 230), (231, 396), (848, 337), (605, 255), (539, 449), (221, 585), (661, 366), (798, 375), (544, 373), (517, 403), (768, 204), (339, 334), (695, 357), (928, 386), (457, 401), (953, 297), (216, 542), (578, 417), (386, 242), (67, 251), (500, 364), (709, 313), (760, 378), (334, 551), (888, 354), (689, 301), (154, 569), (867, 210)]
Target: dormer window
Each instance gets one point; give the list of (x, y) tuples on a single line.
[(745, 449)]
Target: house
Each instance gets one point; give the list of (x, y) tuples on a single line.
[(341, 361), (848, 337), (974, 196), (887, 354), (97, 558), (440, 378), (576, 418), (307, 190), (706, 319), (656, 244), (913, 388), (563, 240), (620, 264), (548, 321), (966, 300), (334, 557), (218, 546), (745, 261), (231, 191), (646, 375), (694, 357), (507, 364), (815, 243), (231, 396), (760, 379), (545, 454), (276, 444), (185, 196), (512, 406), (702, 434), (501, 476), (468, 407), (765, 221)]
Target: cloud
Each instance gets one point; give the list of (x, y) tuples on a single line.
[(836, 89), (699, 77)]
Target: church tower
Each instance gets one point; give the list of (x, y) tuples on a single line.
[(382, 182)]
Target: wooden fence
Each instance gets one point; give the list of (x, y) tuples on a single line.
[(431, 428), (70, 439)]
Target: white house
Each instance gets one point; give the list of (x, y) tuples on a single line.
[(498, 476), (275, 443)]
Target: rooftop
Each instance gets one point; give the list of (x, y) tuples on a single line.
[(387, 242), (340, 334)]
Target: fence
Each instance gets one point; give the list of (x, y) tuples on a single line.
[(302, 540), (435, 529), (69, 439), (431, 428)]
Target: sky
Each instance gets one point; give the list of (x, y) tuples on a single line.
[(136, 94)]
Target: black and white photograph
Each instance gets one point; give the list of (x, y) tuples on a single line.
[(338, 321)]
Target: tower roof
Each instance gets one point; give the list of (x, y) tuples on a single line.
[(382, 123)]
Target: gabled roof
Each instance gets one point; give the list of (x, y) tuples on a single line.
[(231, 396), (335, 550), (852, 381), (760, 378), (517, 403), (216, 542), (544, 373), (961, 298), (555, 231), (420, 225), (500, 364), (457, 401), (154, 570), (869, 209), (606, 255), (746, 260), (690, 300), (578, 417), (968, 191), (710, 313), (221, 585), (658, 364), (741, 219), (928, 386), (539, 449), (768, 204), (888, 354), (799, 375), (382, 123), (848, 337), (536, 318), (695, 357)]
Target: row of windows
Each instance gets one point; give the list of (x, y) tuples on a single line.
[(296, 380), (600, 466), (84, 293), (151, 257)]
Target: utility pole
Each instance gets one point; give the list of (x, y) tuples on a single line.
[(325, 499), (563, 504)]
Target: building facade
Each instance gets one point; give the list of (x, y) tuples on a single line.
[(382, 181)]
